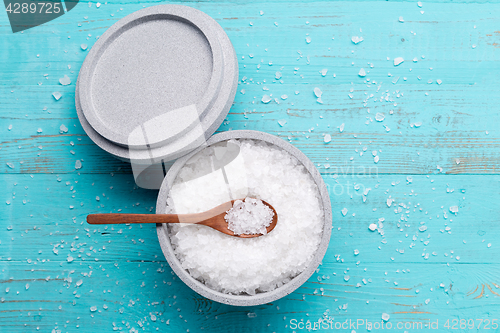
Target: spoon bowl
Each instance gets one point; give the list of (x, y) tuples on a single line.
[(213, 218)]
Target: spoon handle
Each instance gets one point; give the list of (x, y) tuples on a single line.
[(209, 217), (135, 218)]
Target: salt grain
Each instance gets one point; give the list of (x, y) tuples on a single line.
[(57, 95), (317, 92), (379, 116), (398, 61), (246, 266), (65, 80), (266, 99)]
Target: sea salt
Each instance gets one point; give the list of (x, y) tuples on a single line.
[(57, 95), (260, 170), (362, 72), (327, 138), (379, 116), (282, 122), (266, 99), (65, 80), (398, 61), (249, 217), (318, 92), (356, 39)]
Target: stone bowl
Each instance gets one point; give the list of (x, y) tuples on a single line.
[(259, 298)]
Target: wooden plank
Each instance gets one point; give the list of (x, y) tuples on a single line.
[(39, 213), (455, 116), (55, 295)]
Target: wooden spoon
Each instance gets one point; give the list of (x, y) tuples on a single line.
[(213, 218)]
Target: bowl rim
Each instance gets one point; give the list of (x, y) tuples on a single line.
[(265, 297)]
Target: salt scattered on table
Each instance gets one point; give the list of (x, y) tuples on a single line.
[(344, 211), (385, 317), (65, 80), (57, 95), (356, 39), (249, 217), (282, 122), (327, 138), (362, 72), (266, 99), (318, 92), (379, 116)]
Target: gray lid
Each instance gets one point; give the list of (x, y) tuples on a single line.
[(152, 76), (192, 137)]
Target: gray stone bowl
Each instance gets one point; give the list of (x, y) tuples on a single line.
[(260, 298)]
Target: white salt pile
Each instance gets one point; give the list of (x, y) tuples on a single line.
[(249, 217), (246, 265)]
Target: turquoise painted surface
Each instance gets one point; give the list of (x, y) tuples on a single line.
[(448, 271)]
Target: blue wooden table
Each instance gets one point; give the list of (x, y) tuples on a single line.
[(414, 147)]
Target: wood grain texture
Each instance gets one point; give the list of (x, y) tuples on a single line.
[(431, 263)]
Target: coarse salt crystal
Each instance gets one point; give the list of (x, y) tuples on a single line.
[(266, 99), (398, 61), (317, 92), (379, 116), (57, 95), (65, 80), (250, 266)]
